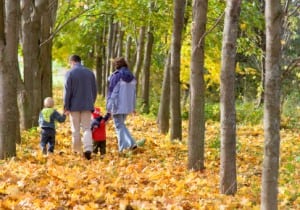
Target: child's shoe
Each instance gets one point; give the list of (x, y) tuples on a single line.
[(44, 151)]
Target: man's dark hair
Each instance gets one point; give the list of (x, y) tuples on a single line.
[(75, 58), (119, 62)]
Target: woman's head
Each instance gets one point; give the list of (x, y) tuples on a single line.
[(119, 62)]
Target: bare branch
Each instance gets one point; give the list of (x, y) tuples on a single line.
[(60, 27), (293, 64), (211, 29), (295, 11)]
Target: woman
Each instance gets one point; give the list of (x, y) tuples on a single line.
[(121, 101)]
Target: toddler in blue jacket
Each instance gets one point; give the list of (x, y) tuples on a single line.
[(47, 118)]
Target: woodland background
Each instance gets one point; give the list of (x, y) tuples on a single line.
[(181, 166)]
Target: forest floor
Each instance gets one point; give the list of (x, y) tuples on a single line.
[(154, 177)]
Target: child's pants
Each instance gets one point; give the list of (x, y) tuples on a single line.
[(48, 137), (99, 145)]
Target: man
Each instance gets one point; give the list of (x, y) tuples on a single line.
[(80, 92)]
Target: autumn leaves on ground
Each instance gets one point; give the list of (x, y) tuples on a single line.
[(155, 177)]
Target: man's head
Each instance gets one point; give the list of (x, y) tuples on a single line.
[(74, 59), (48, 102)]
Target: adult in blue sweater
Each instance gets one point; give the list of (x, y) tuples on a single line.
[(121, 101), (80, 93)]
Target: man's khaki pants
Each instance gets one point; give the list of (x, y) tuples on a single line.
[(81, 120)]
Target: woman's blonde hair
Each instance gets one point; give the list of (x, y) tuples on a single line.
[(48, 102)]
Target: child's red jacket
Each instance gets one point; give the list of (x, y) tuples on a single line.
[(98, 125), (99, 133)]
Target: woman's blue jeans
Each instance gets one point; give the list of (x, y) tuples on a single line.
[(125, 140)]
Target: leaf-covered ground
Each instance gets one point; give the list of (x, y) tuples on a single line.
[(155, 177)]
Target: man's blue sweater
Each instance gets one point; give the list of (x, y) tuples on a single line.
[(80, 90)]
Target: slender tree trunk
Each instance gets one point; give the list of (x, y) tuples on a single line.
[(47, 23), (9, 27), (228, 181), (164, 105), (273, 18), (115, 40), (46, 58), (109, 46), (104, 59), (120, 41), (146, 71), (197, 88), (262, 35), (128, 55), (98, 61), (140, 55), (178, 21)]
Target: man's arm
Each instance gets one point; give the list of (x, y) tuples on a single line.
[(67, 92)]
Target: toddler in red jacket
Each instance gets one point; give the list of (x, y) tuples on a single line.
[(98, 131)]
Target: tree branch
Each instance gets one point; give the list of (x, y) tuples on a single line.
[(293, 64), (211, 29), (295, 10), (60, 27)]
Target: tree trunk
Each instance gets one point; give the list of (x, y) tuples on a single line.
[(273, 18), (98, 61), (120, 41), (109, 46), (164, 105), (128, 56), (47, 23), (228, 181), (104, 59), (139, 56), (31, 28), (178, 21), (115, 40), (262, 35), (146, 71), (9, 28), (197, 88)]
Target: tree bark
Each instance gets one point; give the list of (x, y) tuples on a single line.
[(9, 116), (104, 54), (31, 30), (228, 181), (262, 35), (120, 41), (47, 23), (139, 56), (128, 56), (197, 88), (109, 46), (164, 105), (178, 22), (273, 18), (98, 61), (146, 71)]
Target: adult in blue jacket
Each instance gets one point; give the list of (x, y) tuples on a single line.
[(121, 101), (80, 92)]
